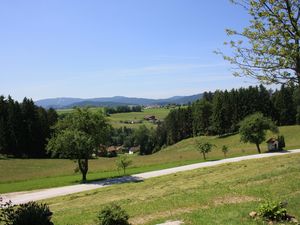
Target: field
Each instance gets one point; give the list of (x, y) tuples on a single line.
[(118, 119), (29, 174), (217, 195)]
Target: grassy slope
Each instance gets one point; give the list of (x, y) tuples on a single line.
[(115, 119), (223, 194), (28, 174)]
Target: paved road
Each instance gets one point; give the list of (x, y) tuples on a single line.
[(23, 197)]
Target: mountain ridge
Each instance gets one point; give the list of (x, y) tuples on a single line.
[(69, 102)]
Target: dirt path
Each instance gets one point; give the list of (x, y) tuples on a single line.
[(23, 197)]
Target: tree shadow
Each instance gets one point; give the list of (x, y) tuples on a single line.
[(282, 151), (212, 160), (228, 135), (116, 180)]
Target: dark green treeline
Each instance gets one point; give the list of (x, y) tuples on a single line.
[(219, 113), (24, 128)]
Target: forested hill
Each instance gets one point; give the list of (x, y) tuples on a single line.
[(59, 103)]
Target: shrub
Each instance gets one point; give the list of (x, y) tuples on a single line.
[(281, 142), (275, 211), (113, 215), (204, 148), (24, 214), (225, 150), (123, 162)]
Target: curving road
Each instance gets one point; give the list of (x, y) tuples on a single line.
[(23, 197)]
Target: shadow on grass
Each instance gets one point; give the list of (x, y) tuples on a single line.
[(282, 151), (212, 160), (115, 180), (227, 135)]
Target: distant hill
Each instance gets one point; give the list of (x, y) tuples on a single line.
[(57, 102), (61, 103)]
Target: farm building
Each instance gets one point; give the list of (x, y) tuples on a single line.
[(151, 117), (133, 150), (113, 150)]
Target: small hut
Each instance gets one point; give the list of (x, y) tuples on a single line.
[(273, 144)]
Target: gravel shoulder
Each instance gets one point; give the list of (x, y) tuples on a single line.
[(23, 197)]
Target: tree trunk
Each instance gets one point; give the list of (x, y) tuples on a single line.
[(258, 148), (204, 156), (83, 167), (83, 180)]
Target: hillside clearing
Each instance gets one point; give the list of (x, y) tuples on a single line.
[(129, 119)]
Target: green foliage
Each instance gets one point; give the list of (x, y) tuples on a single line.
[(253, 129), (298, 115), (281, 142), (30, 213), (178, 125), (274, 211), (145, 138), (113, 215), (296, 99), (268, 49), (201, 112), (78, 135), (204, 148), (285, 106), (225, 150), (123, 162), (122, 109), (24, 128)]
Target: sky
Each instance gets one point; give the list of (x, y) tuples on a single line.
[(103, 48)]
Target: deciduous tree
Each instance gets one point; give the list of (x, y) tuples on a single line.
[(269, 48), (204, 148), (78, 135), (123, 162), (253, 129)]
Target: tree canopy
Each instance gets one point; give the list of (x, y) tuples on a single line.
[(268, 49), (24, 128), (79, 135), (204, 148), (253, 129)]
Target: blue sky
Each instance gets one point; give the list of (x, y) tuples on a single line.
[(97, 48)]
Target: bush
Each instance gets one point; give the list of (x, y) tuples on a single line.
[(113, 215), (30, 213), (275, 211), (123, 162), (281, 142)]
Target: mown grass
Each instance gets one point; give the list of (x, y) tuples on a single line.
[(223, 194), (29, 174)]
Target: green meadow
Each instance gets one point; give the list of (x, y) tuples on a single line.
[(119, 119), (29, 174), (223, 194)]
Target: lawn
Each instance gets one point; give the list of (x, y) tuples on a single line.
[(29, 174), (223, 194), (118, 119)]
